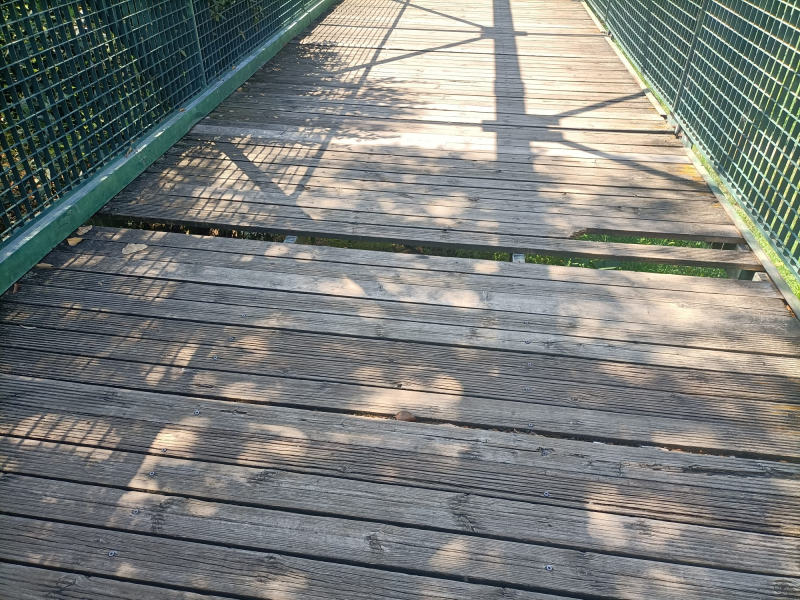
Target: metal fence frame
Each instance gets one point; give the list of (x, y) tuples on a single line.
[(94, 92), (728, 72)]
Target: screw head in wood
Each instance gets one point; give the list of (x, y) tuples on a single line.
[(546, 494), (214, 357), (527, 341), (197, 412), (530, 425), (135, 511), (545, 453), (163, 449), (112, 553), (152, 473), (548, 567), (527, 389)]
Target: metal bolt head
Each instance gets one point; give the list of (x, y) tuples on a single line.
[(527, 341), (152, 473), (135, 511), (527, 389), (530, 425), (546, 494), (545, 453), (526, 322), (530, 364), (163, 449), (197, 412), (112, 553), (548, 567), (214, 357), (231, 338), (244, 315)]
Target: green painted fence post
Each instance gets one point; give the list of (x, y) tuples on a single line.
[(689, 55), (190, 7)]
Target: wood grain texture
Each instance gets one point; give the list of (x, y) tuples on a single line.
[(373, 544), (468, 514), (515, 467), (218, 569), (33, 583)]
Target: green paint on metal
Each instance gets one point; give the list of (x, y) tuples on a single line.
[(45, 196), (731, 71)]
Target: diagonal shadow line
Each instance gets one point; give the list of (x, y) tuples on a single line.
[(512, 81), (386, 37), (440, 14), (618, 100), (516, 104), (325, 144)]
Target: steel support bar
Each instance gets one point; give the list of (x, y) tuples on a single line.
[(689, 55)]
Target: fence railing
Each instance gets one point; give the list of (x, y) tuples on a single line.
[(729, 73), (84, 80)]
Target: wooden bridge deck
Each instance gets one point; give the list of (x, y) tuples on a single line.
[(195, 418), (505, 125)]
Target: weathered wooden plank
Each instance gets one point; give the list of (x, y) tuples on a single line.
[(244, 108), (217, 569), (489, 132), (450, 265), (659, 357), (627, 297), (372, 544), (414, 301), (288, 95), (375, 37), (253, 352), (195, 201), (553, 408), (252, 160), (23, 582), (343, 137), (629, 481), (416, 507), (496, 73), (113, 295), (403, 92), (343, 56), (332, 284), (477, 162), (242, 173), (508, 216), (248, 219), (512, 160)]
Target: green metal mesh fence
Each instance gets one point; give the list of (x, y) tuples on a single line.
[(230, 29), (729, 72), (82, 80)]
